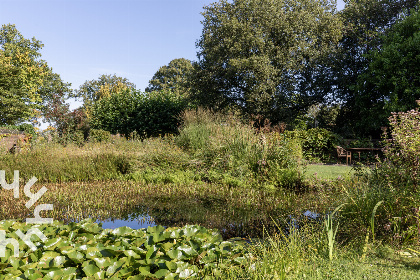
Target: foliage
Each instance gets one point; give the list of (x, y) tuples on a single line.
[(394, 181), (84, 249), (116, 113), (322, 116), (105, 86), (404, 150), (226, 145), (317, 143), (365, 21), (99, 135), (173, 77), (29, 129), (21, 74), (27, 84), (149, 114), (251, 53), (56, 110), (158, 113), (391, 83), (13, 106)]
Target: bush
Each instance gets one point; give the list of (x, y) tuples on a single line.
[(158, 113), (148, 114), (99, 135), (317, 143)]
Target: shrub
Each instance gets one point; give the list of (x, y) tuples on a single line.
[(158, 113), (395, 181), (99, 135), (404, 149), (317, 143), (148, 114)]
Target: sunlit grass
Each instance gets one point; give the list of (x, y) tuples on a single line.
[(328, 171)]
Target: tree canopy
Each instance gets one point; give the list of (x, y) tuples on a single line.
[(21, 75), (392, 81), (366, 22), (105, 86), (27, 84), (252, 53), (174, 77)]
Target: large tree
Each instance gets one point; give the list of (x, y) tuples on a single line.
[(21, 74), (365, 23), (253, 54), (27, 84), (392, 81), (173, 77)]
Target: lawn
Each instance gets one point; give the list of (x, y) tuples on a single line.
[(328, 171)]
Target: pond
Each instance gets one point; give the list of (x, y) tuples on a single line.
[(131, 222), (235, 212), (230, 222)]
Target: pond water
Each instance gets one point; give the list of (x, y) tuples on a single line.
[(229, 229), (131, 221), (230, 222)]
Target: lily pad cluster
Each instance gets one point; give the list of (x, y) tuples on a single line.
[(85, 250)]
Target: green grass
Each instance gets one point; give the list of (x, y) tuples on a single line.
[(327, 171)]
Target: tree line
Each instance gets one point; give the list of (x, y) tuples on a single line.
[(301, 62)]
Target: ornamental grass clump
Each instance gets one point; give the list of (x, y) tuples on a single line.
[(224, 144)]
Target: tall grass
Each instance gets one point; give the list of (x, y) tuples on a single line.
[(215, 148), (56, 164), (225, 144)]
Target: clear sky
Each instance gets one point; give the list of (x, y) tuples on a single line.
[(84, 39)]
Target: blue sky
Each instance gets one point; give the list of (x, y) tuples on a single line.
[(84, 39)]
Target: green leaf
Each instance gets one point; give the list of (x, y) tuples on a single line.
[(151, 253), (91, 269), (161, 273), (102, 262), (116, 266), (175, 254), (76, 256), (122, 231)]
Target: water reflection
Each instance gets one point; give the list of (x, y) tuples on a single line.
[(133, 222), (230, 222)]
